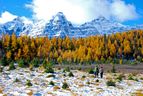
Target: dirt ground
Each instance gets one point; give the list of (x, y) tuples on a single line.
[(107, 67)]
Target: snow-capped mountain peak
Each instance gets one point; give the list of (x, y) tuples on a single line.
[(59, 26), (59, 17)]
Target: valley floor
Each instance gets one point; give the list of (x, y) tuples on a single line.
[(13, 83)]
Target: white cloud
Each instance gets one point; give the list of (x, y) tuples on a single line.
[(6, 16), (122, 11), (26, 20), (80, 11)]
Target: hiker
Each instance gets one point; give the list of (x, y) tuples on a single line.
[(96, 71), (101, 72)]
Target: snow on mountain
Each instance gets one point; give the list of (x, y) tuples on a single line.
[(104, 26), (16, 26), (59, 26)]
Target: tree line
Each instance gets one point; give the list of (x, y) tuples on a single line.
[(120, 48)]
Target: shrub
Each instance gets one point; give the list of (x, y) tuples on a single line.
[(113, 70), (97, 80), (83, 76), (1, 69), (141, 78), (21, 63), (80, 69), (44, 63), (136, 79), (52, 83), (4, 61), (35, 62), (91, 71), (64, 75), (31, 66), (120, 77), (49, 70), (49, 76), (130, 77), (88, 82), (11, 66), (28, 83), (65, 85), (16, 80), (71, 74), (110, 83), (67, 69)]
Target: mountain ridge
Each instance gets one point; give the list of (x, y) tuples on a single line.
[(59, 26)]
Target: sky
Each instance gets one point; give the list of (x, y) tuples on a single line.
[(129, 12)]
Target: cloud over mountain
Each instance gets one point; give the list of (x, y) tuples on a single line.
[(6, 16), (80, 11)]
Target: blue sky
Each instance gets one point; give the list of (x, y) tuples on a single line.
[(16, 7), (82, 10)]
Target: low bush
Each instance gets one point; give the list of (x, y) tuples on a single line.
[(113, 70), (97, 80), (16, 80), (130, 77), (49, 70), (70, 74), (51, 75), (52, 83), (67, 69), (110, 83), (141, 78), (136, 79), (65, 85), (80, 69), (28, 83), (35, 62), (88, 82), (4, 61), (21, 63), (83, 76), (11, 66), (91, 71), (1, 69), (120, 77), (64, 75)]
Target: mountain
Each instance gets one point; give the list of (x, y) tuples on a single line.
[(59, 26), (104, 26), (16, 26)]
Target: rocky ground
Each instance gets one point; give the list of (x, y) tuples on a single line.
[(24, 82)]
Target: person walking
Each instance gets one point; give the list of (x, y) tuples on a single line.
[(96, 71), (101, 72)]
